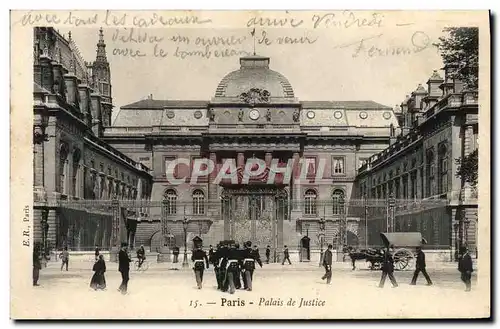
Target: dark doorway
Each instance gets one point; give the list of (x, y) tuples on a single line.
[(305, 249)]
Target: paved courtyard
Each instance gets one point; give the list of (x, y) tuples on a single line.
[(162, 292)]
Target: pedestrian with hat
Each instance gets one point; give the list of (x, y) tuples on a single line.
[(465, 267), (420, 267)]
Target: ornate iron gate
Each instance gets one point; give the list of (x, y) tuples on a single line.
[(254, 214)]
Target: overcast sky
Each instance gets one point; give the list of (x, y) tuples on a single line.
[(332, 63)]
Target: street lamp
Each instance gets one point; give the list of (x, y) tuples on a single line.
[(185, 223), (392, 203), (321, 235)]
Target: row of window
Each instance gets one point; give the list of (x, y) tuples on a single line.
[(310, 202), (73, 188), (408, 180)]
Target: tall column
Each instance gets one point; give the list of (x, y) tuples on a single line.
[(212, 190)]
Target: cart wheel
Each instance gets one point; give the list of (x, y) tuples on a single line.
[(402, 258)]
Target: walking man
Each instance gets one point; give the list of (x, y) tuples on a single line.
[(124, 268), (211, 255), (268, 254), (37, 266), (420, 267), (327, 263), (232, 269), (388, 270), (199, 258), (465, 267), (65, 258), (175, 252), (286, 256)]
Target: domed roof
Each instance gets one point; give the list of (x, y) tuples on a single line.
[(254, 73)]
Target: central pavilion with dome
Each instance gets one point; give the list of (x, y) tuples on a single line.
[(254, 114)]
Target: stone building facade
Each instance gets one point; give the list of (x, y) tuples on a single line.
[(72, 164), (254, 114), (439, 124)]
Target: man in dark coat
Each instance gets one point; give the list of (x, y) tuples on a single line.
[(250, 257), (175, 252), (327, 264), (211, 255), (37, 265), (465, 267), (388, 269), (222, 258), (420, 267), (232, 268), (199, 257), (239, 257), (268, 254), (286, 256), (124, 268)]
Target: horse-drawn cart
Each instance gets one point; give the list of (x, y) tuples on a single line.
[(403, 244)]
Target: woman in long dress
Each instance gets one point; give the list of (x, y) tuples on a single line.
[(98, 281)]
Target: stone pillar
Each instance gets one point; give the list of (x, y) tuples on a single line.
[(212, 190), (71, 89), (296, 183), (115, 231)]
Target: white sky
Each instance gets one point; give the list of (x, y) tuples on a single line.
[(323, 70)]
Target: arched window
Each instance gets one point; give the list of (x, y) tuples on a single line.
[(338, 207), (310, 202), (443, 169), (63, 165), (171, 197), (429, 188), (198, 203)]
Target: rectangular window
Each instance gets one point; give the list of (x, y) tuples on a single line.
[(311, 166), (338, 166)]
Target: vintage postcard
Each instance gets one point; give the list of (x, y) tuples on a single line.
[(250, 165)]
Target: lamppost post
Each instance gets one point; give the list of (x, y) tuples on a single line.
[(321, 236), (307, 229), (392, 203), (455, 227), (185, 223)]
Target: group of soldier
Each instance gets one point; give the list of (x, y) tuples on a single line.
[(232, 265)]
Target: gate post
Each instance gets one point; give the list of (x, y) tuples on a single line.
[(164, 255), (115, 238)]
